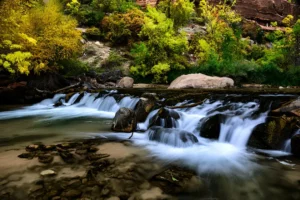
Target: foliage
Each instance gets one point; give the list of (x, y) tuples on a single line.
[(223, 39), (73, 67), (180, 10), (93, 33), (121, 27), (35, 36), (114, 60), (162, 47)]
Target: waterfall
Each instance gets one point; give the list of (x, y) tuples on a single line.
[(239, 121), (89, 105), (287, 144)]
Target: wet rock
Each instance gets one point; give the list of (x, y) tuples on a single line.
[(93, 157), (272, 133), (81, 151), (177, 180), (49, 148), (124, 120), (171, 136), (292, 107), (92, 149), (144, 106), (30, 155), (201, 81), (295, 145), (46, 158), (165, 118), (71, 193), (126, 82), (33, 147), (67, 156), (211, 126), (48, 172)]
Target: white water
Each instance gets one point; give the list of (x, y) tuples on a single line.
[(88, 106), (228, 155), (287, 144)]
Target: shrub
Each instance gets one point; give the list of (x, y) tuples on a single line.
[(180, 11), (162, 47), (120, 28)]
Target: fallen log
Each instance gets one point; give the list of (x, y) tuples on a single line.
[(66, 88)]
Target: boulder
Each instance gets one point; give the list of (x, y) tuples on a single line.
[(165, 118), (144, 106), (171, 136), (110, 76), (295, 145), (125, 82), (211, 126), (124, 120), (272, 133), (201, 81), (292, 107)]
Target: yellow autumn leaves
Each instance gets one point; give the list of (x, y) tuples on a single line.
[(34, 37)]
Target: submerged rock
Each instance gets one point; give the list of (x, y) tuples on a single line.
[(295, 145), (126, 82), (45, 158), (201, 81), (124, 120)]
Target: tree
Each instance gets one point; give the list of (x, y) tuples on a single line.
[(180, 10), (120, 27), (162, 48), (36, 36)]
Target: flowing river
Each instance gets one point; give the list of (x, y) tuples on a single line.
[(228, 167)]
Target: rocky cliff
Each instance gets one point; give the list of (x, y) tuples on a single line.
[(265, 11)]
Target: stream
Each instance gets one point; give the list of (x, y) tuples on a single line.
[(228, 167)]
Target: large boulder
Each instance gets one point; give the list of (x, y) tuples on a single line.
[(144, 106), (295, 145), (124, 121), (292, 107), (171, 136), (211, 126), (201, 81), (126, 82), (272, 133)]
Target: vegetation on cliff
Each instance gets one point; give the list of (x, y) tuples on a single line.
[(39, 37)]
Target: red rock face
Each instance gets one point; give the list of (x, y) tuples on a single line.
[(265, 10)]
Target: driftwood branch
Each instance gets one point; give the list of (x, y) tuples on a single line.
[(43, 91), (187, 106), (131, 135), (68, 87)]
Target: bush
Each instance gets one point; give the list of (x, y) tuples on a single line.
[(120, 28), (73, 67), (93, 33), (114, 60), (162, 47), (180, 11)]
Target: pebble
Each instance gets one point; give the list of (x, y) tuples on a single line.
[(48, 172)]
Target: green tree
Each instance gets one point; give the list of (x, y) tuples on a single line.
[(162, 48), (180, 10)]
